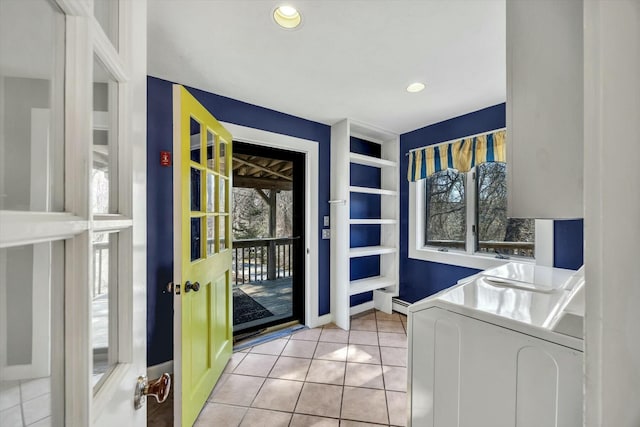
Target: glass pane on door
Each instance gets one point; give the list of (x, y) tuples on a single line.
[(211, 235), (104, 305), (196, 196), (104, 185), (196, 242), (211, 149), (222, 232), (211, 191), (31, 338), (196, 130), (31, 106), (222, 158), (222, 192)]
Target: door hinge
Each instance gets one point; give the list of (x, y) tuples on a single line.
[(473, 229), (177, 288)]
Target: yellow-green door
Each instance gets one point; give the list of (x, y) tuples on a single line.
[(203, 325)]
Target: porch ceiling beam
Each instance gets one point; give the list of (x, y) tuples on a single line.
[(262, 168), (264, 183), (286, 167)]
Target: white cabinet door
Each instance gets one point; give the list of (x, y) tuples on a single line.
[(545, 109), (467, 373)]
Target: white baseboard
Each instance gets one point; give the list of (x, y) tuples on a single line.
[(325, 319), (156, 371), (357, 309), (398, 305)]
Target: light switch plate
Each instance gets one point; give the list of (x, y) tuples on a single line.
[(326, 233), (326, 220)]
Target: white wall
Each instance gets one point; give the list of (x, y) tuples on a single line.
[(612, 212)]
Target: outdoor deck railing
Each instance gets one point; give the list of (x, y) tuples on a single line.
[(255, 260), (516, 248)]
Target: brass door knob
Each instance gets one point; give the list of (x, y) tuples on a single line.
[(158, 389)]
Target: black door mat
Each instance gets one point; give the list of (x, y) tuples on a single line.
[(246, 309)]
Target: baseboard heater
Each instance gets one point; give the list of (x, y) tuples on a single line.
[(400, 306)]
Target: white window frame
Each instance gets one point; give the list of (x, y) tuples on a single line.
[(468, 258)]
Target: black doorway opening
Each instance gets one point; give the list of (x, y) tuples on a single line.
[(268, 237)]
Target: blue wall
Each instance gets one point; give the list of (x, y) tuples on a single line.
[(568, 248), (419, 279), (160, 197), (364, 206)]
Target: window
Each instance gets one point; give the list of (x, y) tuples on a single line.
[(446, 210), (495, 232), (461, 218), (490, 231)]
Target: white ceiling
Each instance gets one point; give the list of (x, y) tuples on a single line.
[(350, 58)]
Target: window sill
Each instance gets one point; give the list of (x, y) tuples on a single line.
[(463, 259)]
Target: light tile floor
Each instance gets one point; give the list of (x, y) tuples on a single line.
[(25, 403), (323, 377)]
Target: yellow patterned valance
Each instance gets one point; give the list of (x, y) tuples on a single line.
[(461, 154)]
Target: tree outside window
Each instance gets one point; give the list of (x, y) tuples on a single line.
[(448, 207)]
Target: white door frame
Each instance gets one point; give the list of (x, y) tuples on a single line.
[(310, 150), (611, 150)]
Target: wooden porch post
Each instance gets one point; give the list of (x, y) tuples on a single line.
[(271, 258)]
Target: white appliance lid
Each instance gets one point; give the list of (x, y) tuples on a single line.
[(535, 307), (529, 276)]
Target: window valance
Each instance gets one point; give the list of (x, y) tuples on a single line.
[(461, 154)]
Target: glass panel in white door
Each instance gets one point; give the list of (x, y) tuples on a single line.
[(31, 106), (31, 339), (104, 305), (104, 173)]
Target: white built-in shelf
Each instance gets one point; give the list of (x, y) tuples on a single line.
[(369, 190), (376, 162), (370, 250), (375, 221), (378, 221), (369, 284)]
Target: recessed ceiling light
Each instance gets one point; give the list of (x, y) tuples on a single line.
[(415, 87), (287, 17)]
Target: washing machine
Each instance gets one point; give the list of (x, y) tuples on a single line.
[(502, 348)]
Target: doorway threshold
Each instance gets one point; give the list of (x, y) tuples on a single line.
[(264, 335)]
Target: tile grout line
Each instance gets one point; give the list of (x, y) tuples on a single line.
[(262, 385), (279, 356), (315, 348), (384, 383), (24, 422), (344, 380)]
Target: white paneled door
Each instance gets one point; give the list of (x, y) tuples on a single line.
[(72, 212)]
